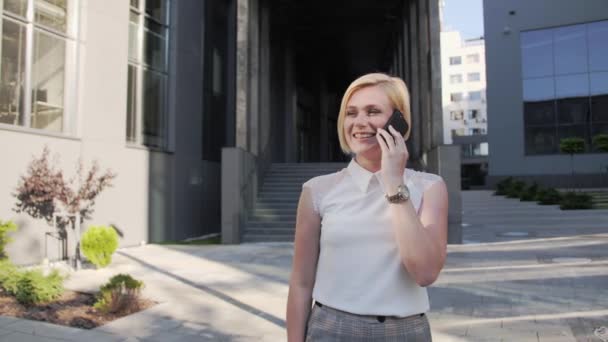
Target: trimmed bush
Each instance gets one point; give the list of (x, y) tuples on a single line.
[(600, 142), (548, 197), (529, 193), (9, 276), (33, 287), (573, 200), (98, 244), (502, 186), (5, 227), (120, 293), (515, 189)]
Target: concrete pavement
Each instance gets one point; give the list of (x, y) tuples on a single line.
[(527, 273)]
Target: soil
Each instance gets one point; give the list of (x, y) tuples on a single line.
[(73, 309)]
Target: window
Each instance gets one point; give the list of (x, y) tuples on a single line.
[(456, 115), (216, 113), (472, 114), (458, 132), (565, 83), (475, 131), (147, 122), (474, 150), (456, 97), (474, 95), (473, 58), (36, 73), (455, 79), (455, 60), (473, 77)]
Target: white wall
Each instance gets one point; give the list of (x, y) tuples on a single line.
[(101, 116)]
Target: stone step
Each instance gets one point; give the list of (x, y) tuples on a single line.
[(272, 218), (291, 195), (264, 224), (274, 211), (268, 238), (297, 189), (260, 231), (275, 206), (271, 201)]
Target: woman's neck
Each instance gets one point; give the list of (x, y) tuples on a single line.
[(371, 165)]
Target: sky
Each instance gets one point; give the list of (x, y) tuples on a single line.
[(465, 16)]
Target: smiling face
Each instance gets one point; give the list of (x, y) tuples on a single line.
[(367, 110)]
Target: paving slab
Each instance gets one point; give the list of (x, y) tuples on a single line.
[(547, 284)]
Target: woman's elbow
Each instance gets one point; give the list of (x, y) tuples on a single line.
[(426, 279), (424, 275)]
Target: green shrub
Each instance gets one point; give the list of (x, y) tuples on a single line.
[(515, 189), (548, 196), (572, 145), (9, 276), (5, 227), (119, 293), (98, 244), (529, 193), (600, 142), (573, 200), (502, 186), (34, 287)]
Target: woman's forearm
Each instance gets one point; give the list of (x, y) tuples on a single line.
[(419, 250), (299, 302)]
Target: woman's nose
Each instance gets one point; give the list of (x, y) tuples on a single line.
[(361, 120)]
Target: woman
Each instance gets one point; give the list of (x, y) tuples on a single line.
[(370, 237)]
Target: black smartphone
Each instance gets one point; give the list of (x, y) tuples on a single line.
[(398, 122)]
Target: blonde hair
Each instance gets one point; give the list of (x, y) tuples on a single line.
[(394, 88)]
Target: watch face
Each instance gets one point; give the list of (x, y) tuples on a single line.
[(404, 191)]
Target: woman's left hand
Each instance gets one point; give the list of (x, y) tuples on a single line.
[(394, 158)]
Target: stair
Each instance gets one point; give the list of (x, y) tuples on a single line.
[(599, 199), (273, 216)]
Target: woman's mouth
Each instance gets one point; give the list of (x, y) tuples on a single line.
[(364, 135)]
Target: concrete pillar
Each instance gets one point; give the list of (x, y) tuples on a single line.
[(253, 105), (242, 73), (324, 106), (262, 124), (444, 160), (239, 186), (425, 74), (406, 45), (290, 106), (415, 147), (436, 103)]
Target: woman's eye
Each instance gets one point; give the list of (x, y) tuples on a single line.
[(374, 111), (351, 113)]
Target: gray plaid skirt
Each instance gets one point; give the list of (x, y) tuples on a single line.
[(327, 324)]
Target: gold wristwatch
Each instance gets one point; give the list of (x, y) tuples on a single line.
[(402, 195)]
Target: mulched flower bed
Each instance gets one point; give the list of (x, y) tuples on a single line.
[(74, 309)]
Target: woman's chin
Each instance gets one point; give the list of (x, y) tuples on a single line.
[(367, 151)]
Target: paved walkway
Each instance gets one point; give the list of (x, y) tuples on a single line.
[(527, 273)]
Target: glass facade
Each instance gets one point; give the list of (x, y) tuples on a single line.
[(565, 85), (215, 74), (147, 122), (33, 71)]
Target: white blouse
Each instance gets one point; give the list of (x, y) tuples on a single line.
[(359, 268)]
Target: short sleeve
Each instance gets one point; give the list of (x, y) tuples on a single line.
[(314, 194), (319, 188), (429, 180)]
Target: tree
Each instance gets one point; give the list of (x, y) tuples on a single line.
[(44, 191), (572, 146)]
